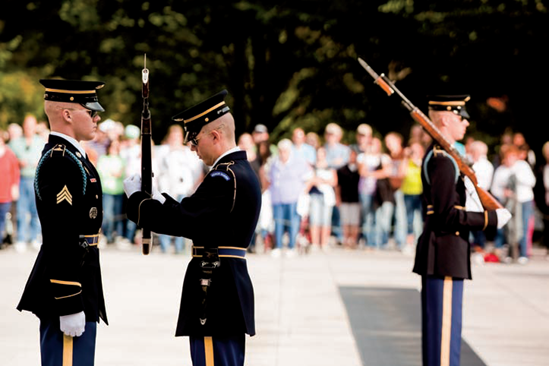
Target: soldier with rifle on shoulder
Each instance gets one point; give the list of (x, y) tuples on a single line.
[(443, 250)]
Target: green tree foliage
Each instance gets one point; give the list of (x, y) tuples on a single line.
[(284, 63)]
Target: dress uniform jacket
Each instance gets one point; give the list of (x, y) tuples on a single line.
[(223, 212), (66, 277), (443, 249)]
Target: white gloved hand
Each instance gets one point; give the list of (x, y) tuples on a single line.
[(73, 325), (504, 216), (132, 184), (472, 199), (157, 195)]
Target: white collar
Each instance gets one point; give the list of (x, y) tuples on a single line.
[(71, 140), (234, 149)]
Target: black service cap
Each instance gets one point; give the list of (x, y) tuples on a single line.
[(73, 91), (453, 103), (201, 114)]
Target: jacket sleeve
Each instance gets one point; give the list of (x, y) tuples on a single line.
[(212, 200), (449, 215)]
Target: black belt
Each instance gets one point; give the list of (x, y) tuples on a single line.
[(92, 240), (226, 252)]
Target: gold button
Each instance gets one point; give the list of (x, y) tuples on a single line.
[(457, 232)]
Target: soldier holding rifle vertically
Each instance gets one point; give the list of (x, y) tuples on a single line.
[(443, 250), (217, 304)]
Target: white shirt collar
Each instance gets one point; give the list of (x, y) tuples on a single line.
[(234, 149), (71, 140)]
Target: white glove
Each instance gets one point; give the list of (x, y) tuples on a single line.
[(157, 195), (132, 184), (73, 325), (504, 216), (472, 200)]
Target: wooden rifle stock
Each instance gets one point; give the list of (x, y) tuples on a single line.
[(146, 156), (488, 201)]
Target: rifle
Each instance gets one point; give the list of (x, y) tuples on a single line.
[(146, 157), (488, 201)]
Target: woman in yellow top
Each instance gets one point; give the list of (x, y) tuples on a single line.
[(412, 189)]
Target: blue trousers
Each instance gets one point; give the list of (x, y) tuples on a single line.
[(112, 215), (27, 231), (286, 216), (441, 315), (57, 349), (4, 209), (218, 351)]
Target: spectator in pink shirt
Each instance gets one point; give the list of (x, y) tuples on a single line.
[(9, 184)]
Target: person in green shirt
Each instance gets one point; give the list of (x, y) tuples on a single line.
[(111, 168)]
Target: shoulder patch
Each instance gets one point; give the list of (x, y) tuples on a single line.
[(59, 150), (439, 153), (219, 173)]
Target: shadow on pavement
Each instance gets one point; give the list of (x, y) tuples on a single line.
[(386, 324)]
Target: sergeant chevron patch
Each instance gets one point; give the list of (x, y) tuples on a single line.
[(64, 195)]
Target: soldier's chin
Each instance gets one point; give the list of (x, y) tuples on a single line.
[(92, 135)]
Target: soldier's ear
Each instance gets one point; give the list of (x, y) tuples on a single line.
[(216, 135), (66, 114), (445, 119)]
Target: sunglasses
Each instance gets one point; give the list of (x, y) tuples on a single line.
[(92, 113), (194, 140)]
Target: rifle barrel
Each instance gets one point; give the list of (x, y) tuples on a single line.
[(488, 201), (146, 153)]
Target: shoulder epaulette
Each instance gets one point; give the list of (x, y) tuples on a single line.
[(436, 152), (223, 168), (59, 150)]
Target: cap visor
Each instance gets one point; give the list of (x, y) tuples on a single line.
[(94, 106)]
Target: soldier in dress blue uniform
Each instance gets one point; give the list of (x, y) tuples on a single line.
[(64, 288), (217, 304), (443, 249)]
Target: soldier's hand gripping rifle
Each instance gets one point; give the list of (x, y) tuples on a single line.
[(487, 200), (146, 158)]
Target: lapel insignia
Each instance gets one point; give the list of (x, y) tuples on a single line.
[(64, 195), (93, 180), (93, 212)]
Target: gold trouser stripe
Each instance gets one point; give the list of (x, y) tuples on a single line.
[(67, 350), (446, 322), (485, 220), (209, 351)]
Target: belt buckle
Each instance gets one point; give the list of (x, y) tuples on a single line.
[(210, 259)]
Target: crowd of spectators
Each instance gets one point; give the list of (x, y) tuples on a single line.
[(318, 192)]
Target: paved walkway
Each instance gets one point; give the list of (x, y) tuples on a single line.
[(316, 309)]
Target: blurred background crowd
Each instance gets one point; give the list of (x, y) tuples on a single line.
[(319, 192)]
